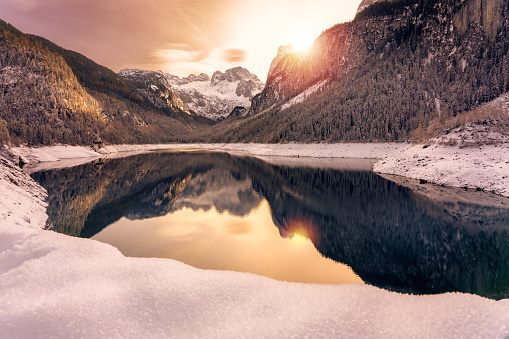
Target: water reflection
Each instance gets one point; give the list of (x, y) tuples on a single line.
[(214, 240), (392, 236)]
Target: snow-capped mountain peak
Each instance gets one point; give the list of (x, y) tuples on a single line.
[(216, 97)]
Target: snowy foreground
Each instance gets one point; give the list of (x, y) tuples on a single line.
[(52, 285)]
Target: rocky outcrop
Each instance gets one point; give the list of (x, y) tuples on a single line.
[(366, 3), (238, 111), (489, 14), (291, 73), (155, 88), (175, 80)]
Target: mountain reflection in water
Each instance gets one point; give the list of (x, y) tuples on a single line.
[(391, 236)]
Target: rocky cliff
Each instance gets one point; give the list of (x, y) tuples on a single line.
[(491, 15)]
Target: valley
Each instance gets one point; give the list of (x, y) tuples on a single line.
[(359, 189)]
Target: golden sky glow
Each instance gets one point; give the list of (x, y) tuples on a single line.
[(212, 240), (178, 36)]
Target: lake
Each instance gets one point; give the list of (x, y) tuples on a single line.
[(291, 222)]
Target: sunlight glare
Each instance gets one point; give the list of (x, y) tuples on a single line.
[(302, 42), (298, 238)]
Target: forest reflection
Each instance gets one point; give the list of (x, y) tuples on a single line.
[(390, 235)]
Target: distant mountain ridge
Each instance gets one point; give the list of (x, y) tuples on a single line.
[(52, 95)]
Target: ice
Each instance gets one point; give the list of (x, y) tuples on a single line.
[(53, 285)]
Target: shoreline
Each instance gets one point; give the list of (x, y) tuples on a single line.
[(483, 168), (158, 297)]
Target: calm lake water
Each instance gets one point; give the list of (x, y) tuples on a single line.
[(218, 211)]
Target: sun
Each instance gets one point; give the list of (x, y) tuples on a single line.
[(302, 41)]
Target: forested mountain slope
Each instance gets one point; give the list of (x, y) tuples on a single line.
[(395, 67), (52, 95)]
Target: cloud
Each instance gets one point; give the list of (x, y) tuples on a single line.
[(233, 55), (177, 35), (177, 55), (30, 5), (24, 5)]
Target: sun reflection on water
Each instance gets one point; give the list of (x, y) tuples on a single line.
[(213, 240)]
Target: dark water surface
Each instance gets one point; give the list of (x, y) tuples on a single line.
[(217, 211)]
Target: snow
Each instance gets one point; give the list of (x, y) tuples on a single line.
[(215, 98), (94, 291), (345, 150), (224, 91), (54, 153), (304, 95), (21, 199), (485, 167), (53, 285), (473, 155)]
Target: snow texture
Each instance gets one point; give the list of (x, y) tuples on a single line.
[(475, 155), (484, 167), (216, 97), (21, 199), (345, 150), (53, 285)]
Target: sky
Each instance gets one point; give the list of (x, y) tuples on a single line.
[(180, 37)]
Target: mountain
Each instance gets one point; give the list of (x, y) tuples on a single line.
[(52, 95), (367, 3), (399, 68), (155, 88), (217, 97), (394, 68)]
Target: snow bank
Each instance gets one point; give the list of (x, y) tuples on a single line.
[(52, 285), (54, 153), (21, 198), (344, 150), (485, 167)]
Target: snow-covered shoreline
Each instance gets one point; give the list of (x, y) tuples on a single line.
[(353, 156), (52, 285), (485, 168)]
